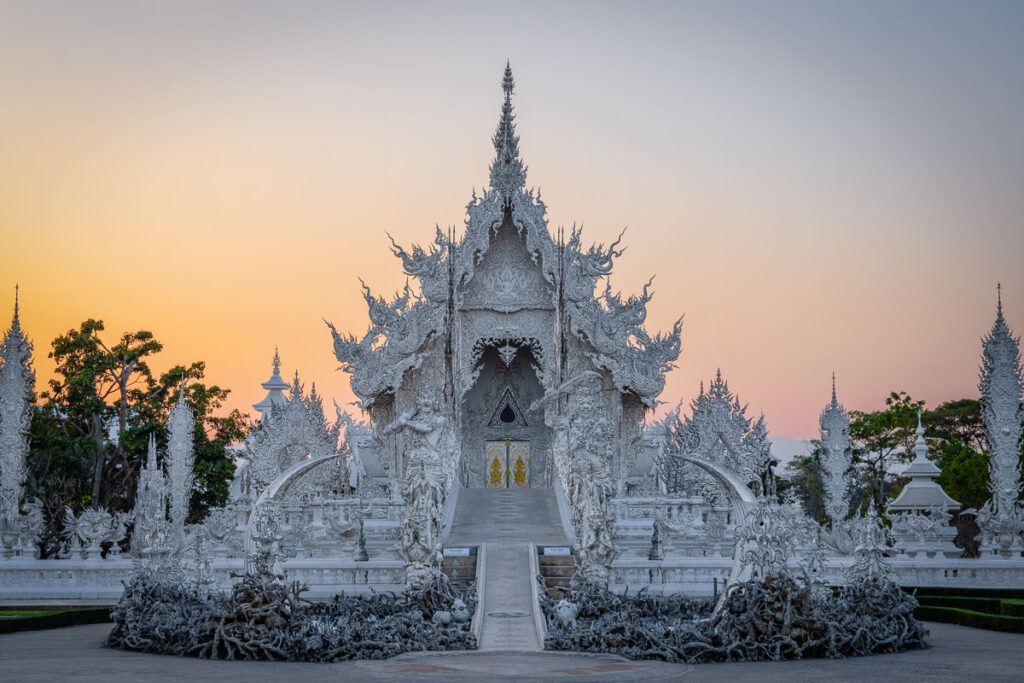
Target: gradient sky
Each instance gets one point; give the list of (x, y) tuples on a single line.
[(818, 186)]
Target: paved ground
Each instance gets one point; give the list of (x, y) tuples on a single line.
[(76, 654)]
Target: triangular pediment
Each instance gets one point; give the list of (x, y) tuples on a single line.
[(507, 412), (507, 277)]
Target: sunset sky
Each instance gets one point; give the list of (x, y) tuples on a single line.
[(817, 186)]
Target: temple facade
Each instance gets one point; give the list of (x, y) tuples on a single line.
[(501, 336)]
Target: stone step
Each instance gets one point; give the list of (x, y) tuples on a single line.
[(556, 571), (461, 571)]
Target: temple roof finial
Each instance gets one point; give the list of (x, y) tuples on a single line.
[(835, 400), (508, 174), (277, 362), (16, 304), (999, 298), (508, 83)]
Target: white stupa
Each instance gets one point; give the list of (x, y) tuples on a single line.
[(275, 386)]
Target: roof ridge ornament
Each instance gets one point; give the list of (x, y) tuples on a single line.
[(508, 174)]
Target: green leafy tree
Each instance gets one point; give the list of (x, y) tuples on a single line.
[(93, 383), (881, 440), (89, 436), (805, 480)]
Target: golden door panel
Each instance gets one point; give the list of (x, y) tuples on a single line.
[(497, 470), (519, 464)]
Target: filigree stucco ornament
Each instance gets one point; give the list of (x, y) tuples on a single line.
[(719, 431), (871, 542), (180, 458), (398, 330), (1002, 388), (588, 434), (16, 379), (920, 526), (835, 457), (150, 510), (765, 540), (296, 431), (427, 483), (268, 533), (222, 530), (93, 527)]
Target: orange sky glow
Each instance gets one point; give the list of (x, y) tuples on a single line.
[(816, 188)]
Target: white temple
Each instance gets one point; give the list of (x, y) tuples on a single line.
[(505, 393)]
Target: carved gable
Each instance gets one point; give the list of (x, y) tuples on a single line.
[(507, 278)]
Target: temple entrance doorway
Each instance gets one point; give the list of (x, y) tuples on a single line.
[(504, 438), (508, 464)]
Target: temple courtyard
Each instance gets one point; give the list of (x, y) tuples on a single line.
[(77, 653)]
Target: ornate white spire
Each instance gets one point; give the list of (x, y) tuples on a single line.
[(150, 502), (16, 379), (180, 457), (1001, 385), (508, 174), (835, 456), (275, 387)]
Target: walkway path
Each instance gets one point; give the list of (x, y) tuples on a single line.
[(77, 654), (504, 522)]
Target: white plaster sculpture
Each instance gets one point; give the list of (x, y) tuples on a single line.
[(180, 458), (293, 431), (426, 487), (1002, 385), (151, 526), (835, 457), (18, 532), (719, 431)]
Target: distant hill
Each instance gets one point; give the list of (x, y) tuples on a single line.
[(786, 449)]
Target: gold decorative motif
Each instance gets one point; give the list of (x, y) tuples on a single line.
[(508, 463), (496, 473)]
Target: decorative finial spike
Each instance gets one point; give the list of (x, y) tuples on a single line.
[(835, 400), (15, 302), (508, 84), (999, 298), (508, 174), (277, 362)]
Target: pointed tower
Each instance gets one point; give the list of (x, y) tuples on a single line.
[(150, 500), (508, 174), (275, 386), (1001, 385), (180, 457), (835, 456), (16, 380)]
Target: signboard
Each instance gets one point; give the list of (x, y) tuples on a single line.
[(555, 551), (456, 552)]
